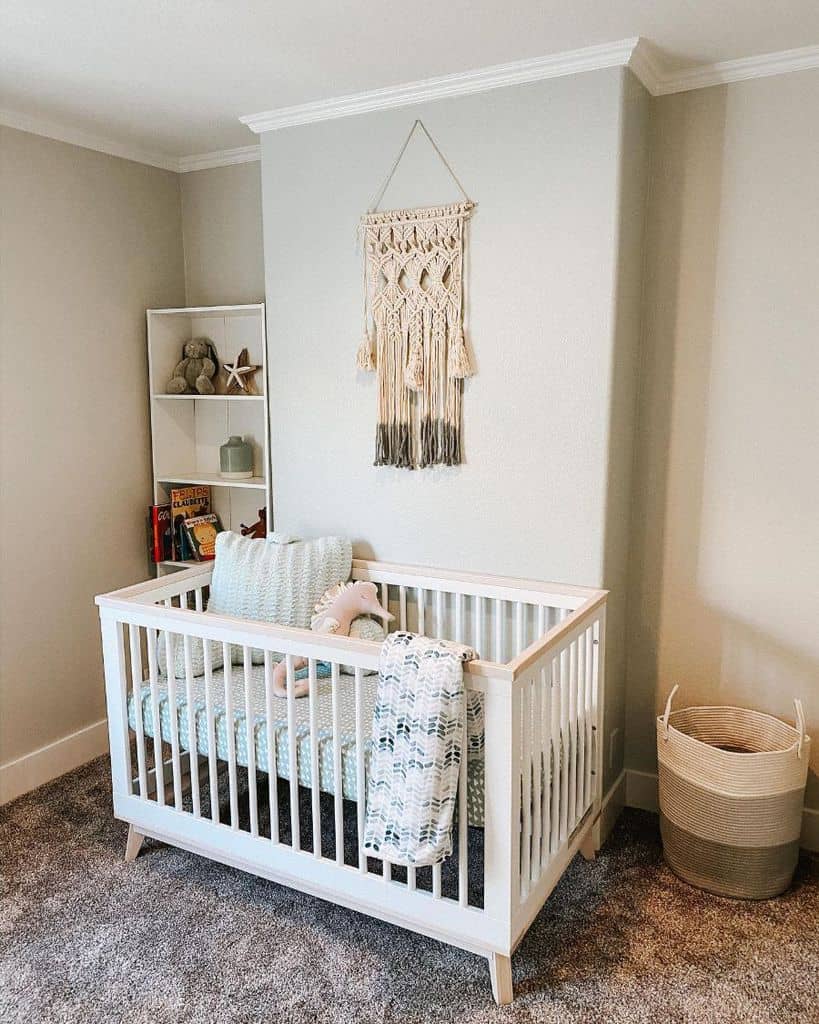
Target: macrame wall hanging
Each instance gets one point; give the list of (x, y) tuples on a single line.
[(414, 313)]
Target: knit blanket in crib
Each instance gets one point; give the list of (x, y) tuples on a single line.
[(418, 740)]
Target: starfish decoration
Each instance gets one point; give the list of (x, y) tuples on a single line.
[(240, 374)]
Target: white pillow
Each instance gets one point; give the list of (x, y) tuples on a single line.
[(266, 581)]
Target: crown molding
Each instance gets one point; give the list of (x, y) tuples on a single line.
[(724, 72), (647, 65), (572, 62), (219, 158), (74, 137), (637, 54), (164, 161)]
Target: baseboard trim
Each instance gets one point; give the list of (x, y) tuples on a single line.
[(642, 793), (809, 840), (642, 790), (49, 762), (612, 807)]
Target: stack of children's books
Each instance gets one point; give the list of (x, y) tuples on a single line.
[(184, 529)]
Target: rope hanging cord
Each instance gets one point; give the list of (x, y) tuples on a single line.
[(413, 324), (416, 125)]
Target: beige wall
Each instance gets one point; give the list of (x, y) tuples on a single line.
[(725, 571), (222, 230), (631, 193), (534, 498), (87, 242)]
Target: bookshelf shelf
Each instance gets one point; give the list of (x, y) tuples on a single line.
[(208, 398), (188, 430), (212, 480)]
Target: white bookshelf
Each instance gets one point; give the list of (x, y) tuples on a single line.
[(188, 430)]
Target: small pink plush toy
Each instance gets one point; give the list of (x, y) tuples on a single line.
[(335, 612)]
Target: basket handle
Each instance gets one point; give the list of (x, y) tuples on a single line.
[(667, 711), (800, 725)]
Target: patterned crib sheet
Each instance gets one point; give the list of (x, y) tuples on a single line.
[(281, 754)]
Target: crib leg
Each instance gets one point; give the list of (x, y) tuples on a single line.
[(500, 972), (133, 844), (591, 844)]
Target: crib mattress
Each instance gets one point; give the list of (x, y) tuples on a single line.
[(280, 757)]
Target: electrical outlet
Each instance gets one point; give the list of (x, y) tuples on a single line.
[(614, 749)]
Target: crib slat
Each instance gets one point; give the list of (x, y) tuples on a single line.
[(589, 719), (541, 620), (402, 607), (572, 715), (555, 754), (564, 723), (193, 738), (581, 726), (519, 628), (577, 737), (545, 744), (338, 781), (436, 881), (250, 737), (159, 765), (295, 828), (524, 702), (272, 751), (213, 768), (197, 600), (386, 870), (170, 657), (537, 770), (122, 679), (360, 780), (477, 642), (230, 726), (463, 852), (136, 689), (420, 600), (385, 596), (459, 617), (439, 615), (315, 768), (592, 653), (499, 611)]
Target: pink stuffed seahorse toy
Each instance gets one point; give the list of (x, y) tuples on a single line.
[(334, 613)]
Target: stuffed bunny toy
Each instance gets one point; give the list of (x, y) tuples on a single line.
[(335, 613), (195, 371)]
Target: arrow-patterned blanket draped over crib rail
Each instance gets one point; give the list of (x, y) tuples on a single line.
[(414, 287), (418, 739)]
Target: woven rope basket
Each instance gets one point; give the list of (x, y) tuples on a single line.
[(732, 785)]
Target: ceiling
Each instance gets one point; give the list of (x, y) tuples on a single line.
[(173, 76)]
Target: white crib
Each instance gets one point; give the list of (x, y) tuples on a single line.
[(541, 676)]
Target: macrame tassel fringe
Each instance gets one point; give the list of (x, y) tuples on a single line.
[(365, 357), (414, 372), (459, 364)]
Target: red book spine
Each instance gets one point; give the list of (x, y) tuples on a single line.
[(161, 550)]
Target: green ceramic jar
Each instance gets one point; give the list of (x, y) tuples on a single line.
[(236, 459)]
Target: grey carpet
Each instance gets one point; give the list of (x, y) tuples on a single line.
[(85, 937)]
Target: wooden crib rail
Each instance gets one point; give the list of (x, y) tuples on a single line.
[(504, 588), (268, 637), (152, 591), (560, 635)]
